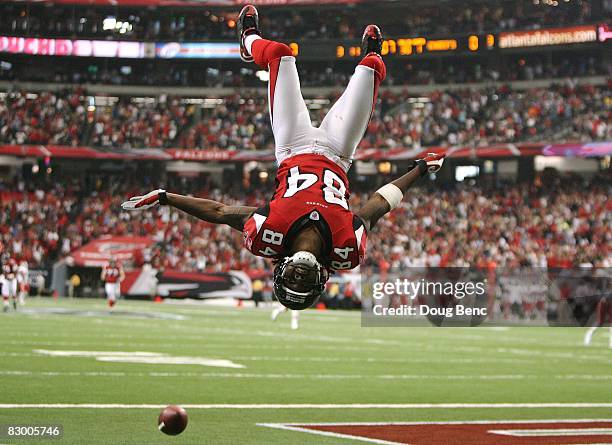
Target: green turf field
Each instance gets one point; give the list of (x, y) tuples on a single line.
[(330, 360)]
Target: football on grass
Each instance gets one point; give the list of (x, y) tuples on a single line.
[(172, 420)]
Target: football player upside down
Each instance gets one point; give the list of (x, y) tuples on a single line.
[(307, 227)]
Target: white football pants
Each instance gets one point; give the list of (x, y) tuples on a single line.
[(342, 128)]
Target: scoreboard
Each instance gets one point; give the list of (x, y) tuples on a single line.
[(423, 45), (466, 44)]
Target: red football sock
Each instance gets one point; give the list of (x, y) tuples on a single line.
[(266, 51), (375, 62)]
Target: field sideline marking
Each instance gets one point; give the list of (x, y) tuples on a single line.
[(361, 348), (334, 359), (441, 422), (299, 427), (246, 375), (288, 427), (554, 432), (307, 406)]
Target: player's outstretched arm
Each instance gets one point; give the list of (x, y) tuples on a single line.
[(389, 196), (204, 209)]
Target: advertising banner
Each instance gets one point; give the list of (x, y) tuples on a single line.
[(196, 285), (578, 149), (605, 32), (186, 50), (547, 37), (65, 47), (98, 252)]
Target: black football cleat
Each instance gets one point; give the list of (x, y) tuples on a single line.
[(248, 23), (372, 39)]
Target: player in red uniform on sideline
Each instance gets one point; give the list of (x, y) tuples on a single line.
[(8, 282), (307, 227), (112, 275)]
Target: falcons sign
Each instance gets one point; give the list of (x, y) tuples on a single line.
[(197, 285)]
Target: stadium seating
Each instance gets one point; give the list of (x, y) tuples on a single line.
[(479, 225), (442, 118)]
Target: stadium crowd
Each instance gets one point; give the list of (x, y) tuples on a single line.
[(179, 24), (474, 117), (561, 221), (45, 118), (498, 115), (151, 124)]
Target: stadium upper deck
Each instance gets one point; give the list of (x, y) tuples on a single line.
[(189, 46), (179, 23)]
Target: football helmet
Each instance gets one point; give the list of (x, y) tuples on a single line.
[(299, 280)]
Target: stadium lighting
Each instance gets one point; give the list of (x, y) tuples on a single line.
[(384, 168), (109, 23), (112, 24), (262, 75), (463, 172)]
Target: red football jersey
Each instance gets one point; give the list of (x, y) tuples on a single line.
[(10, 269), (111, 274), (311, 190)]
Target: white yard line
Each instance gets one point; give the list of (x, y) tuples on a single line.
[(542, 432), (360, 360), (254, 375), (442, 422), (285, 427), (332, 406), (368, 345)]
